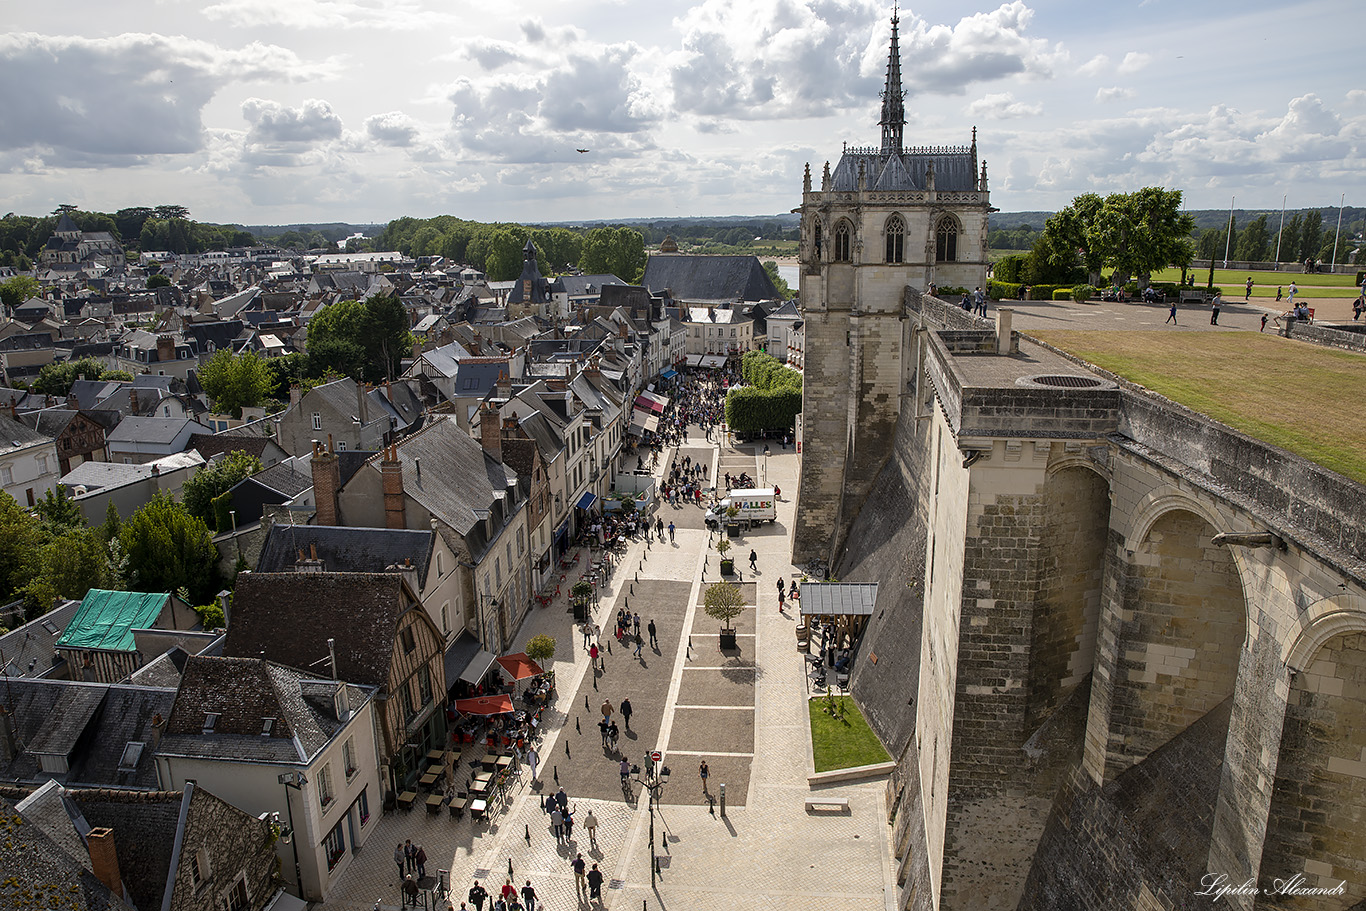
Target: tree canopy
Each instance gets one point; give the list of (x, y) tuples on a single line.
[(1130, 233), (236, 381), (771, 398), (169, 549), (201, 490), (362, 339), (57, 378), (50, 554), (723, 601), (618, 251), (18, 289)]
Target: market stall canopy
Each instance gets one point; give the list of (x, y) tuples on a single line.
[(484, 705), (519, 666), (668, 373), (712, 361)]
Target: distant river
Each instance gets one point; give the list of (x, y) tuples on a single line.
[(790, 274)]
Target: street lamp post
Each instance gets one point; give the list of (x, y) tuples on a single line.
[(295, 780), (656, 777)]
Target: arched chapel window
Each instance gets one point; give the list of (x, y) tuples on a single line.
[(841, 252), (946, 240), (896, 240)]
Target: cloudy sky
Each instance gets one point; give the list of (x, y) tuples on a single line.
[(275, 111)]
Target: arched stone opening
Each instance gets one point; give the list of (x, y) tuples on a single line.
[(1317, 825), (1180, 639), (1071, 575)]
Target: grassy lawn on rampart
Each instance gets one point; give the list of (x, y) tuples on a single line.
[(1291, 394), (842, 743), (1317, 284)]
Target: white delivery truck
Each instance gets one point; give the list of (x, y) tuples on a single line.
[(755, 505)]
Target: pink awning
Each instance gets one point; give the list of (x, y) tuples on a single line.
[(484, 705), (519, 666)]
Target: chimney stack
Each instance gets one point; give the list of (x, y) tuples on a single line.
[(490, 431), (326, 484), (391, 475), (104, 859), (362, 405), (295, 394), (133, 400)]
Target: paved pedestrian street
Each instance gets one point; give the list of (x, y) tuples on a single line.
[(741, 710)]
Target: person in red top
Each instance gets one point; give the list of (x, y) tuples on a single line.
[(509, 891)]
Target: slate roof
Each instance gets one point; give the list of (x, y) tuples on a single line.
[(587, 285), (34, 341), (145, 826), (17, 435), (708, 277), (165, 670), (283, 478), (105, 475), (345, 550), (33, 861), (445, 359), (28, 649), (243, 692), (953, 170), (212, 444), (106, 619), (151, 430), (458, 476)]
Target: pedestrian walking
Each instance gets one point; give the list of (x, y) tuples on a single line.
[(626, 712), (587, 634), (780, 600), (1263, 329), (602, 729), (499, 904), (478, 895), (613, 732), (557, 825), (654, 641), (399, 859), (593, 656), (607, 709), (659, 528), (1247, 291), (580, 881), (420, 858), (1171, 315), (635, 623), (562, 799), (533, 759), (529, 896), (410, 855), (640, 644), (410, 890), (509, 891), (753, 559), (780, 585), (590, 822), (595, 884), (671, 532), (703, 772), (1214, 309), (625, 769), (1294, 289), (568, 825)]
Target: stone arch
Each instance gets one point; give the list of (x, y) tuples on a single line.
[(1330, 617), (1071, 571), (1316, 827), (894, 235), (1181, 636), (842, 242)]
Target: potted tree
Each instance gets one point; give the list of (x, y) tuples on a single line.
[(727, 564), (732, 526), (579, 596), (723, 601)]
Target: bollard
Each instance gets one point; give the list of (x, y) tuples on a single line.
[(528, 836), (585, 702), (577, 729), (723, 801), (566, 750), (510, 876), (557, 774)]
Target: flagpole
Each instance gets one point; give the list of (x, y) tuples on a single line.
[(1229, 244), (1280, 229), (1338, 234)]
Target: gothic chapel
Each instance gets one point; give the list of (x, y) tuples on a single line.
[(883, 220)]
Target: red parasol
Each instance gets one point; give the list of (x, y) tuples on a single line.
[(519, 666), (484, 705)]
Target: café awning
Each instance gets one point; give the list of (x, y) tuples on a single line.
[(587, 500), (694, 360), (478, 667), (519, 666), (484, 705), (668, 373), (712, 361)]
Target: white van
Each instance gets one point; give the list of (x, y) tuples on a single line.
[(755, 504)]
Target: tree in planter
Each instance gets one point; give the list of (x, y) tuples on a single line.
[(540, 649), (723, 601), (580, 593), (722, 548)]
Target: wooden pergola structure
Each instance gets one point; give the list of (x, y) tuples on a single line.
[(844, 606)]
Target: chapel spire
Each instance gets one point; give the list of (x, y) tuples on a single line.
[(893, 107)]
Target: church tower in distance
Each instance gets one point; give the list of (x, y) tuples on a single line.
[(886, 218)]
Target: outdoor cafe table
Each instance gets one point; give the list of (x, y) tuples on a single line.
[(478, 806), (405, 800), (482, 783), (435, 756), (434, 802), (489, 762), (504, 762)]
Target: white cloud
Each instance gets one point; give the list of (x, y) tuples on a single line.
[(1094, 67), (489, 53), (1133, 62), (533, 28), (979, 48), (272, 122), (393, 129), (1002, 106), (326, 14), (1113, 93), (128, 95)]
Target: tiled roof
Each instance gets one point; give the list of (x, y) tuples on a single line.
[(347, 550), (34, 862), (211, 444)]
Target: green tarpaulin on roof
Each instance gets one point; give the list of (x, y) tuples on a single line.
[(106, 620)]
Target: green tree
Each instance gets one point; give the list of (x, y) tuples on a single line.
[(58, 512), (236, 381), (168, 548), (540, 649), (69, 565), (1311, 235), (56, 379), (365, 340), (1290, 239), (723, 601), (1252, 242), (218, 478), (1132, 233), (618, 251), (15, 291), (20, 538), (158, 281)]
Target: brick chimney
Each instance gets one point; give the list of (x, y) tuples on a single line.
[(326, 482), (591, 368), (165, 348), (490, 431), (133, 400), (296, 393), (104, 859), (391, 475), (363, 403), (73, 403)]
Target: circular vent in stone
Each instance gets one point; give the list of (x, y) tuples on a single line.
[(1065, 381)]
